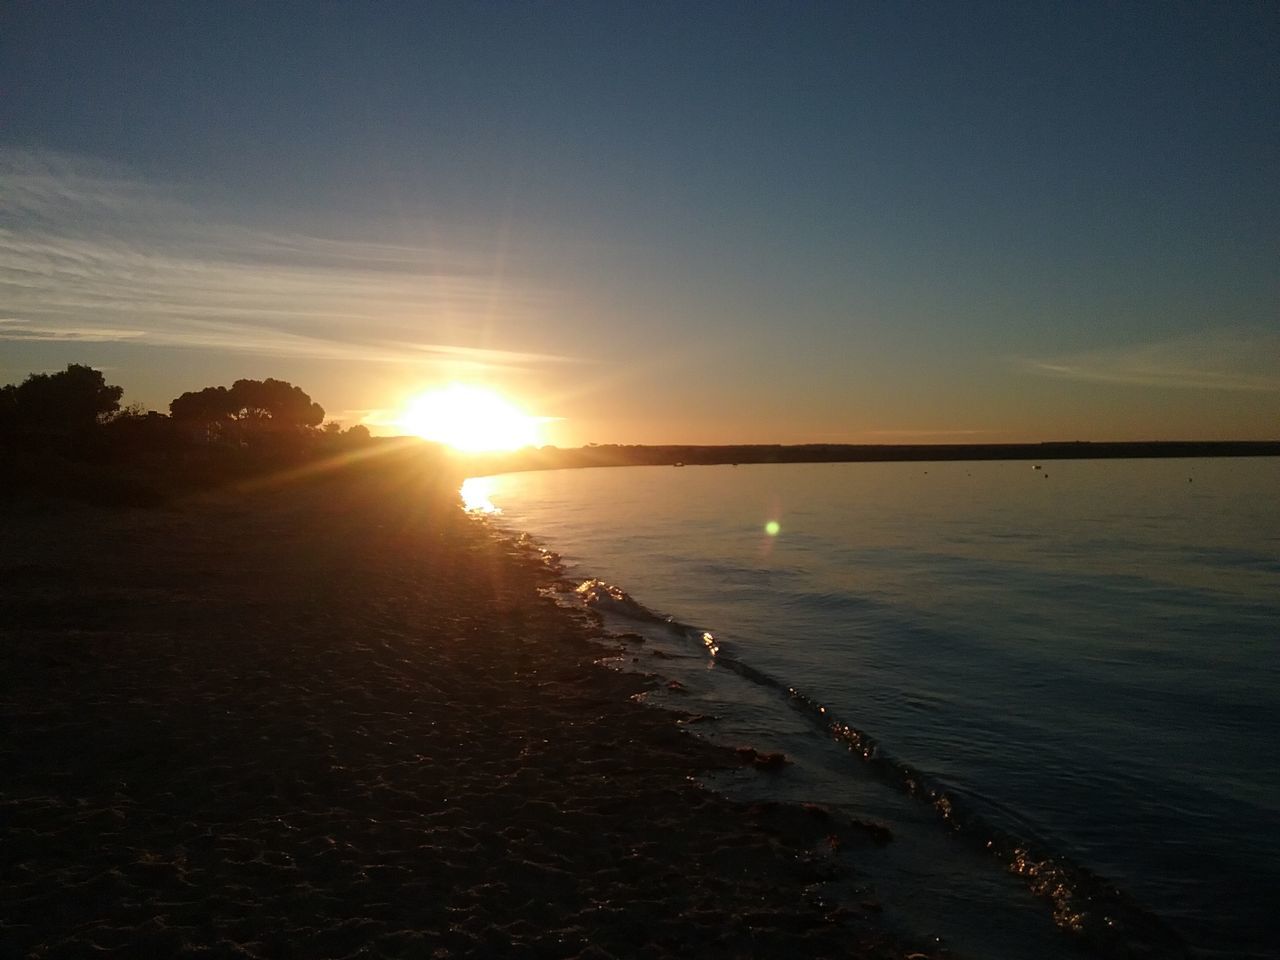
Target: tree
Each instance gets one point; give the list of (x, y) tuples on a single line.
[(75, 398), (248, 408), (276, 403), (208, 410), (8, 407)]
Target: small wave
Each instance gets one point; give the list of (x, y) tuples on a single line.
[(1082, 903), (606, 597), (1105, 918)]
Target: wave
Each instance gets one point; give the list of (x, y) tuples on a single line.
[(603, 596), (1095, 912), (1092, 909)]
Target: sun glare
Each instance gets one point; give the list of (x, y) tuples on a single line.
[(471, 419), (475, 493)]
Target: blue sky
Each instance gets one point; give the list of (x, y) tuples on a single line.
[(660, 222)]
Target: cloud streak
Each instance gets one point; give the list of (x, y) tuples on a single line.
[(1219, 360), (88, 254), (249, 339)]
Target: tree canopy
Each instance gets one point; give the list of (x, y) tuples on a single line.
[(65, 434), (210, 405), (248, 405), (74, 398), (276, 401)]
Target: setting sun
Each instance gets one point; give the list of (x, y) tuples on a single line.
[(472, 419)]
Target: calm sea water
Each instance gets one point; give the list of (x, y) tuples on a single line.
[(1057, 686)]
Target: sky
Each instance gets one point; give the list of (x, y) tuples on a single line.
[(658, 222)]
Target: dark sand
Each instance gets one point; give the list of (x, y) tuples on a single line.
[(335, 719)]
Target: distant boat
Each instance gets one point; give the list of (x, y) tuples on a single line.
[(678, 463), (1035, 466)]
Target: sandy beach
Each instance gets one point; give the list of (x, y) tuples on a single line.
[(335, 718)]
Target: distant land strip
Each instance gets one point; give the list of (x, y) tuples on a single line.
[(618, 455)]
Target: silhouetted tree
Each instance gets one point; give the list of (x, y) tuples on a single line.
[(249, 407), (72, 399), (137, 433), (8, 408), (208, 411), (134, 411), (333, 438), (275, 402)]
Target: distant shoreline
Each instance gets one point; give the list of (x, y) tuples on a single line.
[(617, 455)]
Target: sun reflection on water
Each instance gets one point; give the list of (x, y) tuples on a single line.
[(475, 494)]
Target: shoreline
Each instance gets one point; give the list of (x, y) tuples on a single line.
[(1089, 911), (336, 718), (680, 455)]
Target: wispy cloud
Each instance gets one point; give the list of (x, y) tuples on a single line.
[(89, 254), (1217, 360), (251, 339)]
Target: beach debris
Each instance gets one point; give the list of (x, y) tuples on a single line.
[(697, 718), (749, 756), (771, 761)]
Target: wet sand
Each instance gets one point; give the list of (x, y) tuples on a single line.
[(336, 719)]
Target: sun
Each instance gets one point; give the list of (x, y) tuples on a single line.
[(471, 419)]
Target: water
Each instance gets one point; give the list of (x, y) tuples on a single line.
[(1065, 677)]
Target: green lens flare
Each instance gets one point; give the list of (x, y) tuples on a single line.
[(772, 528)]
